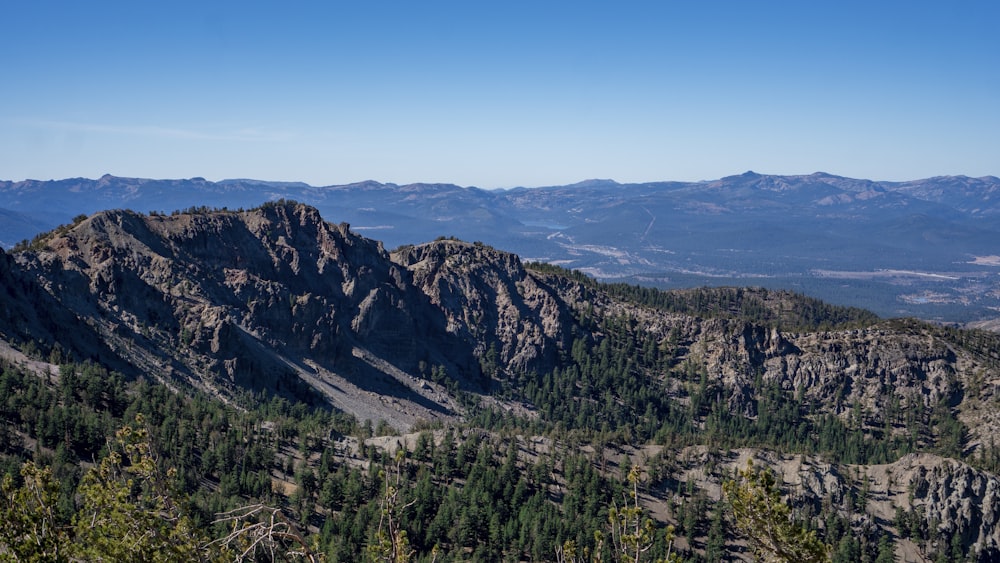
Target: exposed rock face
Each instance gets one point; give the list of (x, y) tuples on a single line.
[(492, 302), (958, 498), (30, 315), (948, 495), (879, 373), (227, 299)]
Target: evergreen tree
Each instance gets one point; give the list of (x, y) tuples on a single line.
[(764, 520)]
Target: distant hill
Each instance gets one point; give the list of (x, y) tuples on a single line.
[(923, 248)]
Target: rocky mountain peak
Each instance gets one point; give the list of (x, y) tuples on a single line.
[(265, 298)]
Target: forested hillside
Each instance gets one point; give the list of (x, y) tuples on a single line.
[(262, 384)]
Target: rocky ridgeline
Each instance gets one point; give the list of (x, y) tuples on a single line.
[(226, 299), (878, 374), (492, 302), (258, 299)]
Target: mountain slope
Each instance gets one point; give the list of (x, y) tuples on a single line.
[(245, 305), (492, 302), (256, 299), (226, 300)]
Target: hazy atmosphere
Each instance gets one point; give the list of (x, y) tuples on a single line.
[(498, 94), (395, 282)]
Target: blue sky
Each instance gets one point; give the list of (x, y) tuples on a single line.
[(498, 94)]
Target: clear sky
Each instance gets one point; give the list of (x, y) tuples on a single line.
[(498, 94)]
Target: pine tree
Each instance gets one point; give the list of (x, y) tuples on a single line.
[(765, 521)]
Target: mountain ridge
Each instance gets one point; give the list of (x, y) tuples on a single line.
[(830, 236), (276, 301), (191, 288)]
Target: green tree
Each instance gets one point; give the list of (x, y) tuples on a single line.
[(766, 523), (31, 529), (127, 512), (887, 551)]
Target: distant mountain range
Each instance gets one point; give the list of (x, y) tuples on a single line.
[(928, 248)]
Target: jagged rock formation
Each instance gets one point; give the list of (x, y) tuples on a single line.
[(32, 318), (959, 499), (875, 374), (239, 296), (947, 495), (492, 302), (225, 300), (917, 491)]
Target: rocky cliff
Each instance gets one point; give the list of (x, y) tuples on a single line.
[(923, 500), (267, 299), (876, 377), (492, 302)]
